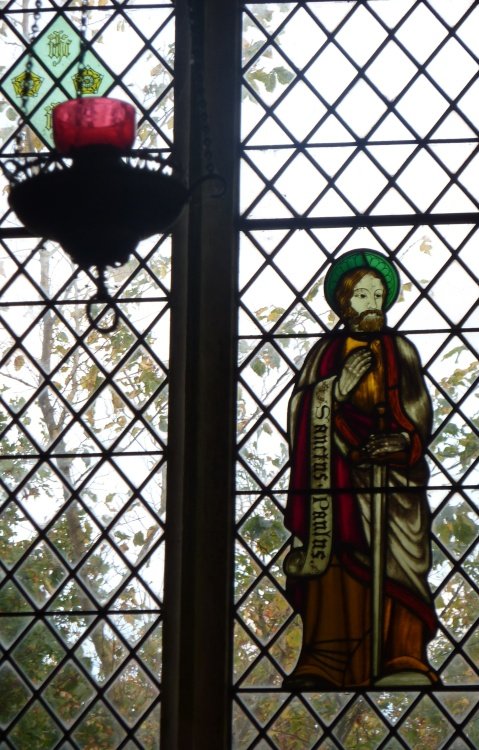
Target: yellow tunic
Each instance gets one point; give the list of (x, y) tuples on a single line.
[(371, 390)]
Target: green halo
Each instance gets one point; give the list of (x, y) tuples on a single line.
[(355, 259)]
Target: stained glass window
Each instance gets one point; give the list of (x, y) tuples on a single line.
[(83, 415), (359, 128), (358, 131)]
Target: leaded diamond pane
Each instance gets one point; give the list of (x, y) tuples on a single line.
[(36, 727), (38, 653), (426, 716), (132, 693), (361, 725), (69, 693), (100, 726), (295, 721), (15, 693)]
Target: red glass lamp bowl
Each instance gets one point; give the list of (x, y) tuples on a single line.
[(93, 121), (101, 205)]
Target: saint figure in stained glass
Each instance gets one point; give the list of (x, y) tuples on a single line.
[(359, 426)]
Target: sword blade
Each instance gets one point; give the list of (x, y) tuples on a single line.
[(378, 544)]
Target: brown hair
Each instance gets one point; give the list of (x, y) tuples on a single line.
[(345, 289)]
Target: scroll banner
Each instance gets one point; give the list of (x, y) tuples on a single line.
[(314, 559)]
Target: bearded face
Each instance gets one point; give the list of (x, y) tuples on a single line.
[(362, 298), (369, 321)]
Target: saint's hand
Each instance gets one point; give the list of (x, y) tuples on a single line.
[(356, 365), (380, 445)]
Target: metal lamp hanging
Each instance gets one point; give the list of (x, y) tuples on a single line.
[(104, 203), (101, 206)]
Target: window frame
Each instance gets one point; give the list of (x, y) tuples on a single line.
[(197, 654)]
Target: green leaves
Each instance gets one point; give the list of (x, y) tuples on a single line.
[(278, 75), (267, 534), (456, 440)]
